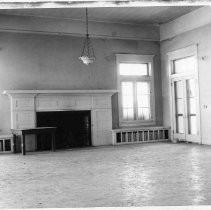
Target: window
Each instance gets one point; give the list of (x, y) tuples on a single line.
[(185, 65), (133, 69), (135, 84)]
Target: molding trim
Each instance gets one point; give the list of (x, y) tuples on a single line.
[(66, 27), (11, 4), (185, 23), (190, 50)]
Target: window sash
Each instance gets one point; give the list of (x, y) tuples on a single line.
[(134, 111)]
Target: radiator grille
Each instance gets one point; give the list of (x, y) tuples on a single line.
[(139, 135)]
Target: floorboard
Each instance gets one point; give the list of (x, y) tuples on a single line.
[(153, 174)]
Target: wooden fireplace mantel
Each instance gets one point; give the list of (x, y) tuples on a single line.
[(25, 104)]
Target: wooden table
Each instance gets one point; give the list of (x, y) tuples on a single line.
[(26, 131)]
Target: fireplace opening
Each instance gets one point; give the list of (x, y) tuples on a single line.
[(73, 129)]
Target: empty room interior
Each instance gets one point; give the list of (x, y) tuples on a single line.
[(105, 104)]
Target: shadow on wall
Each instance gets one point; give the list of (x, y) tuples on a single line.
[(115, 112)]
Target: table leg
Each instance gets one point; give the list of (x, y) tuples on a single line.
[(35, 142), (23, 144), (53, 141), (14, 143)]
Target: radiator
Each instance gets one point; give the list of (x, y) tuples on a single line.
[(140, 135)]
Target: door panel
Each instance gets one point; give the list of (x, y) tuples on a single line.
[(192, 113), (178, 109), (185, 110)]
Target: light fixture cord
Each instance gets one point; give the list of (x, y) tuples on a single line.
[(87, 33), (87, 42), (87, 22)]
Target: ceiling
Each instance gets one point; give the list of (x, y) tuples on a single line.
[(126, 15)]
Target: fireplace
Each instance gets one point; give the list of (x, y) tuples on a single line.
[(73, 129), (28, 105)]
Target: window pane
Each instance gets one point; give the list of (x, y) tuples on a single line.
[(179, 124), (143, 88), (143, 113), (143, 94), (185, 65), (191, 87), (179, 89), (128, 114), (192, 125), (143, 100), (133, 69), (127, 88), (179, 106), (191, 106), (127, 100)]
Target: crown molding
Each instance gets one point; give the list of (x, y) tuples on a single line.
[(193, 20), (66, 27), (15, 4)]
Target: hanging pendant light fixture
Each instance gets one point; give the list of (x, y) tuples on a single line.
[(87, 55)]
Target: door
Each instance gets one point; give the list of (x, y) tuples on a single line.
[(185, 109)]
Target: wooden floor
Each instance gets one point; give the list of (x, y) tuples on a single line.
[(153, 174)]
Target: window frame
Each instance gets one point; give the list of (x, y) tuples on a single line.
[(189, 51), (133, 58)]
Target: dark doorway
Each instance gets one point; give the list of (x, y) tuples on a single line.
[(73, 129)]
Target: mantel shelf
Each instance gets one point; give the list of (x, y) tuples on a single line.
[(72, 92)]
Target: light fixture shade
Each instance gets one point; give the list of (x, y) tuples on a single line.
[(87, 55), (87, 60)]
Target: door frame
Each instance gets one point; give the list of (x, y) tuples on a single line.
[(179, 54)]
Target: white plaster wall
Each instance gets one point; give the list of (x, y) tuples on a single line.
[(35, 61)]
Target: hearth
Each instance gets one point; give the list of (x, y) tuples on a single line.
[(73, 129)]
